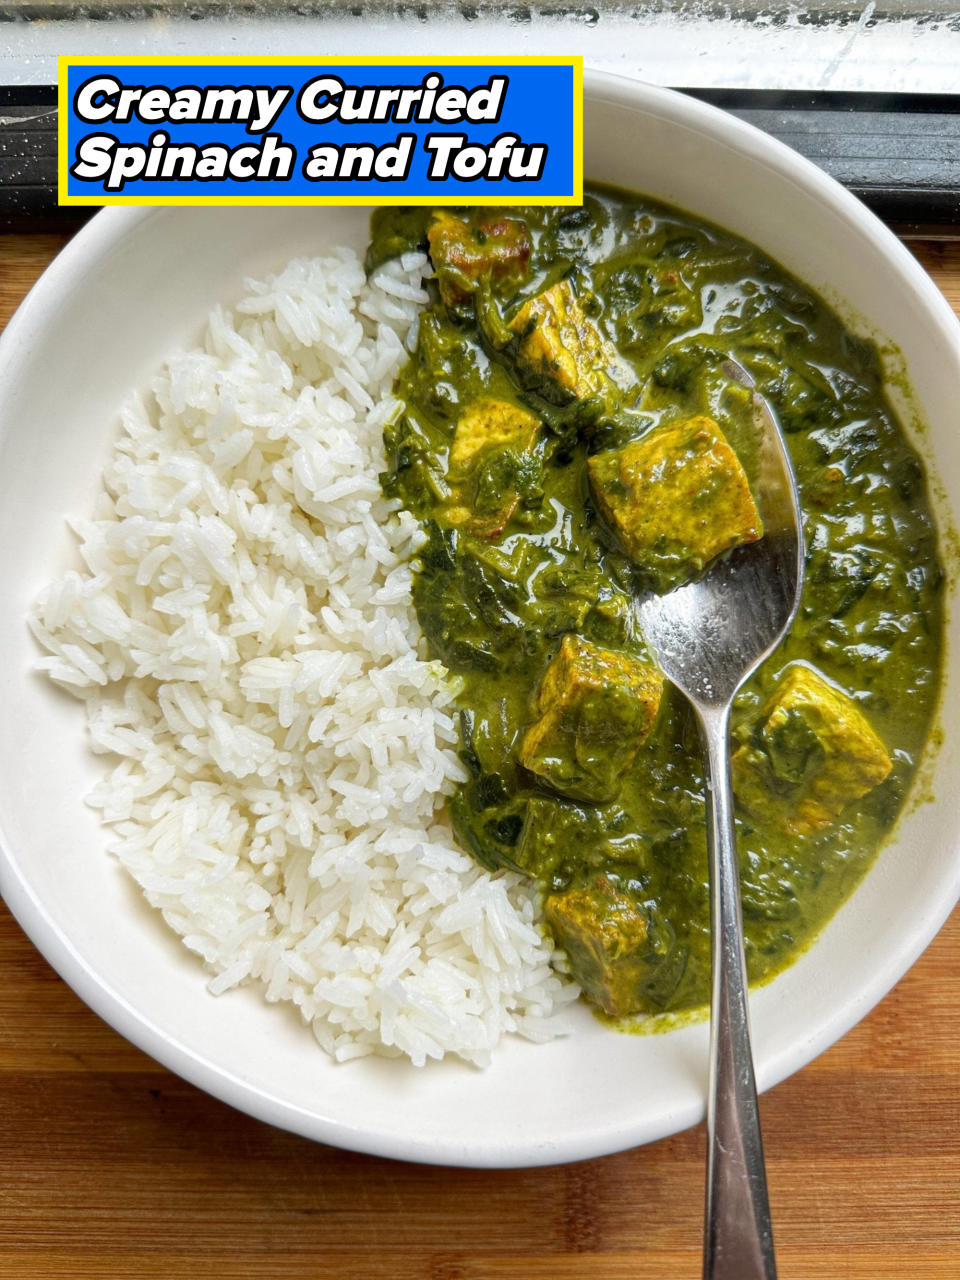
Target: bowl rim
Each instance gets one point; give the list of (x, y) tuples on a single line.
[(67, 269)]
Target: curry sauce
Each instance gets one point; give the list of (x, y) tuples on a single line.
[(569, 437)]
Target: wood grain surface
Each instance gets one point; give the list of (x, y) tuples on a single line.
[(112, 1168)]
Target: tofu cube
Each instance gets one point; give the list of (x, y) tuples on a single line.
[(605, 936), (491, 440), (810, 753), (464, 253), (676, 499), (595, 708), (559, 343)]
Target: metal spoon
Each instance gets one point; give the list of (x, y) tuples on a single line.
[(709, 636)]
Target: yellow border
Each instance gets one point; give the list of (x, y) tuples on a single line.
[(64, 62)]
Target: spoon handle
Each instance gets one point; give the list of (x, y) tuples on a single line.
[(738, 1236)]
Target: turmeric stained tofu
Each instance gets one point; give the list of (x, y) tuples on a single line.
[(676, 499), (492, 448), (605, 936), (595, 708), (810, 754), (562, 345), (464, 253)]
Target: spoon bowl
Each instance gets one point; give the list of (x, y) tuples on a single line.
[(709, 636)]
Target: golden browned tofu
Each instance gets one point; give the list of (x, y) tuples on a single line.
[(595, 708), (558, 342), (676, 499), (490, 442), (490, 424), (605, 936), (464, 253), (810, 753)]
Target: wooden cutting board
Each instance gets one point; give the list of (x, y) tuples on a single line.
[(111, 1168)]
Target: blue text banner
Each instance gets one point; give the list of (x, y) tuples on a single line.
[(301, 131)]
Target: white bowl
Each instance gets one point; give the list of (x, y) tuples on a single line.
[(130, 287)]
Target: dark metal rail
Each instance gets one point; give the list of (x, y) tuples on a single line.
[(900, 153)]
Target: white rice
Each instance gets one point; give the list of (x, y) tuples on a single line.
[(245, 641)]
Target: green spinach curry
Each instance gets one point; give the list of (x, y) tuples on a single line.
[(569, 436)]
